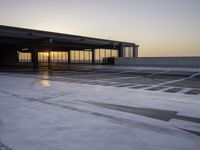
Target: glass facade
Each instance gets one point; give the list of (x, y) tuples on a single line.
[(76, 56), (43, 57), (59, 57), (24, 57), (128, 51), (103, 53)]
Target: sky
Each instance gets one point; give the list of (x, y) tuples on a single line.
[(160, 27)]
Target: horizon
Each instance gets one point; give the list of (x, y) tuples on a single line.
[(158, 31)]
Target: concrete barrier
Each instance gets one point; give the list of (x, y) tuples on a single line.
[(159, 61)]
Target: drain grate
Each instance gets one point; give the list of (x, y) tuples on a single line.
[(193, 92), (156, 88), (173, 90)]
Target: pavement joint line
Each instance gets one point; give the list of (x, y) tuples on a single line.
[(191, 131), (116, 119)]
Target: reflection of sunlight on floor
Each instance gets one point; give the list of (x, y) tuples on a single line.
[(45, 83), (45, 74)]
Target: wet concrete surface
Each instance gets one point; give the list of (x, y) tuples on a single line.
[(123, 78), (191, 83), (98, 109), (193, 132), (193, 92), (4, 147)]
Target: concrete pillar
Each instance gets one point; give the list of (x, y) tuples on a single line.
[(69, 57), (93, 56), (2, 60), (120, 50), (34, 53), (49, 60), (135, 51)]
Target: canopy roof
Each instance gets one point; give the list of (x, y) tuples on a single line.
[(21, 37)]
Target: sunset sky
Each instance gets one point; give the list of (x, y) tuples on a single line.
[(160, 27)]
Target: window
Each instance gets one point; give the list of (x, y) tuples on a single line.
[(24, 57)]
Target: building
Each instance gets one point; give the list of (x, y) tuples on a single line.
[(28, 46)]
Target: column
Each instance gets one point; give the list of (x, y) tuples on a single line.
[(69, 57), (49, 60), (2, 56), (34, 54), (135, 51), (93, 56), (120, 50), (2, 59)]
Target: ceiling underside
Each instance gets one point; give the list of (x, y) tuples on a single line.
[(20, 38)]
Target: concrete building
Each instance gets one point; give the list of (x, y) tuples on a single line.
[(34, 47)]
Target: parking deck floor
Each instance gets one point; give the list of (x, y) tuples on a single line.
[(100, 108)]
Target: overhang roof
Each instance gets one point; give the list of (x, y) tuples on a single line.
[(29, 37)]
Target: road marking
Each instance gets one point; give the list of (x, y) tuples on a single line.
[(179, 80)]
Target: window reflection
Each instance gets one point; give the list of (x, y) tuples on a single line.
[(24, 57), (128, 52), (76, 56), (104, 53)]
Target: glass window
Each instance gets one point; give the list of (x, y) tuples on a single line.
[(24, 57)]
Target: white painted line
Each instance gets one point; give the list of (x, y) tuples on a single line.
[(178, 80)]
